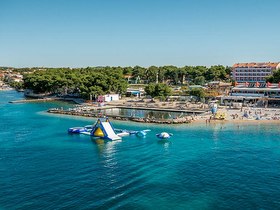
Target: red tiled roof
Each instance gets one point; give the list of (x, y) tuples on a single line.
[(127, 76), (246, 65)]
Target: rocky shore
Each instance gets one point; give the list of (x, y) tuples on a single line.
[(181, 120)]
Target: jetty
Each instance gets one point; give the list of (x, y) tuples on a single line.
[(32, 100), (90, 113), (196, 111)]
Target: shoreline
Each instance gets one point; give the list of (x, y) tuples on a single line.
[(249, 122), (30, 100), (200, 114), (189, 120), (121, 118), (198, 122)]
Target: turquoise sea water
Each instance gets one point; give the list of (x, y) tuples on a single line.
[(201, 167)]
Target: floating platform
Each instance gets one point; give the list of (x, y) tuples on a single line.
[(102, 129)]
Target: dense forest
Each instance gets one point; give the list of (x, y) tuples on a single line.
[(82, 82), (174, 75), (101, 80)]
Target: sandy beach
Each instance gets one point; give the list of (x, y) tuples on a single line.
[(245, 115), (191, 112), (251, 115)]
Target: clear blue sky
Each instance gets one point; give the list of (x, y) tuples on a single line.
[(80, 33)]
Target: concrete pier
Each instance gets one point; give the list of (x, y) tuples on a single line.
[(124, 118), (32, 100)]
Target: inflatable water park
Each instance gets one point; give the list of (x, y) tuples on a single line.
[(164, 135), (104, 129)]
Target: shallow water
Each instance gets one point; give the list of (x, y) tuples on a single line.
[(142, 113), (201, 167)]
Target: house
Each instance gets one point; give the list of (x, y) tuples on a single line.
[(108, 98), (219, 87), (131, 80), (135, 92)]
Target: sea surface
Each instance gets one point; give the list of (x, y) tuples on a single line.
[(202, 167)]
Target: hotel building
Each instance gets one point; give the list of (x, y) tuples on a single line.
[(244, 93), (253, 72)]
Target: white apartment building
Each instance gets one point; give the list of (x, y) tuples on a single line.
[(253, 72)]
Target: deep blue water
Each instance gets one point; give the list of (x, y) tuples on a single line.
[(202, 167)]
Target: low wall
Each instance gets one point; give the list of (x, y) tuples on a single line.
[(116, 117)]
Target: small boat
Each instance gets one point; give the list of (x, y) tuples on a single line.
[(164, 135)]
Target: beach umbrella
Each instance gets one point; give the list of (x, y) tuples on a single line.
[(268, 84)]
